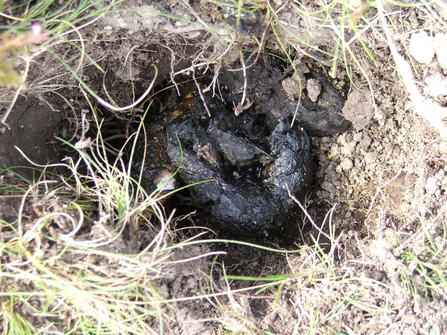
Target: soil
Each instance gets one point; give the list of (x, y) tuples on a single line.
[(380, 179), (32, 127)]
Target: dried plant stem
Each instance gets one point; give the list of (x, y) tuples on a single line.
[(120, 109), (199, 90), (429, 110), (241, 106)]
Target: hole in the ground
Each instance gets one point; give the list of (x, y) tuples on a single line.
[(240, 168)]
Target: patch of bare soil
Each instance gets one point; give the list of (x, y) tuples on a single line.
[(385, 177), (32, 128)]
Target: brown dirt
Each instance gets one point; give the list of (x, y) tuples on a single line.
[(31, 127)]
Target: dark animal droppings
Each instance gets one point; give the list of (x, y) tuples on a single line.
[(250, 162)]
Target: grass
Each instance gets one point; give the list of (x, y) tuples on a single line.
[(61, 269), (28, 24), (327, 289), (51, 270)]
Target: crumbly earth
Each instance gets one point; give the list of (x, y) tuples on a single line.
[(383, 182)]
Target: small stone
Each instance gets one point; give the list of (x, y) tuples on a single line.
[(335, 150), (441, 49), (346, 164), (348, 149), (431, 185), (371, 158), (313, 89), (422, 47), (344, 139), (359, 109), (328, 187), (358, 137), (294, 86), (436, 85), (365, 142)]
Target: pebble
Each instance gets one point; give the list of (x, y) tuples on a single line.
[(441, 49), (436, 85), (346, 164), (422, 47), (371, 157), (431, 185), (313, 89), (348, 149), (358, 137)]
